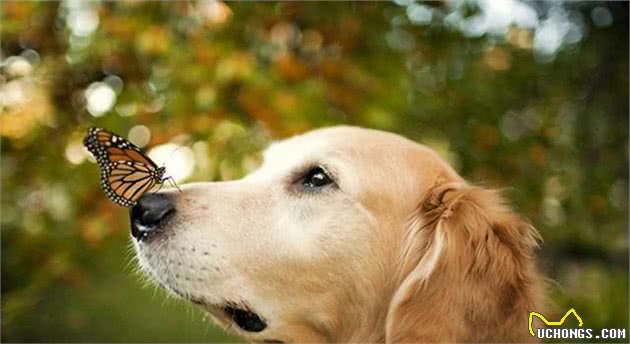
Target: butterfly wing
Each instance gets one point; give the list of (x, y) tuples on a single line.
[(126, 172), (125, 181), (105, 145)]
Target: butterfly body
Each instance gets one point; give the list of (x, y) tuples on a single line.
[(126, 172)]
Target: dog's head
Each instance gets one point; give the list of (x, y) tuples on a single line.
[(312, 246)]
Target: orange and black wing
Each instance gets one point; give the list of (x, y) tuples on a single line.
[(126, 172), (125, 181), (108, 146)]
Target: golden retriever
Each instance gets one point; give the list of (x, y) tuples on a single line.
[(345, 235)]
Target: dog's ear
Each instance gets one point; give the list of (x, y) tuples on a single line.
[(468, 270)]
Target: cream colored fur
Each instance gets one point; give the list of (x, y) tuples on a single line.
[(402, 249)]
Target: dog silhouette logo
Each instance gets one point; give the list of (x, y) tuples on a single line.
[(553, 323)]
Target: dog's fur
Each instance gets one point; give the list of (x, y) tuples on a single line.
[(399, 249)]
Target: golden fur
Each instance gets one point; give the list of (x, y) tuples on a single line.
[(484, 283), (402, 249)]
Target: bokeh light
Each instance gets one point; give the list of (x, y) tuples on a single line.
[(214, 12), (178, 160), (419, 14), (81, 17), (100, 98), (601, 16), (13, 93), (18, 66), (139, 135), (76, 153)]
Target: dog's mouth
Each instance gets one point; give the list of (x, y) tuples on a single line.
[(227, 312), (245, 319), (237, 313)]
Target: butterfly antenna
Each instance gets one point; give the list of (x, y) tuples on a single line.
[(171, 180), (173, 152)]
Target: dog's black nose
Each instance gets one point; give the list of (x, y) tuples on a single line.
[(146, 216)]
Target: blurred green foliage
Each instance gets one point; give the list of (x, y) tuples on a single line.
[(535, 98)]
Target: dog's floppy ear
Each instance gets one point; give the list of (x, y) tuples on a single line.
[(468, 270)]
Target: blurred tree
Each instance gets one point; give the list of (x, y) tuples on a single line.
[(528, 94)]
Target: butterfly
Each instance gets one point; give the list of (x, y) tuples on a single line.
[(126, 172)]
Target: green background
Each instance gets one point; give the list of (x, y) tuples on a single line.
[(533, 98)]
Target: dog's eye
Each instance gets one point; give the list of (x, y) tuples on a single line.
[(316, 178)]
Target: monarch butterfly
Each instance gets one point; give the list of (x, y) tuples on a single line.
[(126, 172)]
